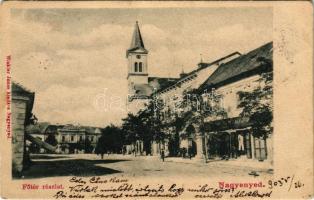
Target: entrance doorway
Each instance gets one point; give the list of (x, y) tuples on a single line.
[(260, 148), (219, 145)]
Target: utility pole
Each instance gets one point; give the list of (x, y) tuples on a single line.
[(202, 110), (202, 121)]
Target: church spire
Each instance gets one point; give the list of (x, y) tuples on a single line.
[(137, 40)]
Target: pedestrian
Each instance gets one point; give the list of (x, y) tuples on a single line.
[(163, 155), (102, 155)]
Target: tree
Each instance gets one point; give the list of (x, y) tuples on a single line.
[(174, 143), (51, 139), (152, 121), (110, 141), (101, 147), (257, 105), (88, 146), (130, 128), (199, 105), (145, 126)]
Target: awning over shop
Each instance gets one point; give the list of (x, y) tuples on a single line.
[(40, 143), (227, 124)]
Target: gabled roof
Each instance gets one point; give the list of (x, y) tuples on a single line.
[(53, 128), (71, 128), (137, 41), (39, 128), (201, 66), (254, 62), (92, 130), (33, 129), (19, 90)]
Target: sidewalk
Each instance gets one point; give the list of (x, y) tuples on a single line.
[(237, 163)]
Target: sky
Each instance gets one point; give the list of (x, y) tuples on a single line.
[(75, 58)]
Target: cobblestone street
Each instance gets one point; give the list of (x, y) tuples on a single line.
[(44, 165)]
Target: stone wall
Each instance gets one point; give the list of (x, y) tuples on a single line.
[(18, 131)]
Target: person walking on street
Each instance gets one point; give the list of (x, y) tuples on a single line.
[(163, 155)]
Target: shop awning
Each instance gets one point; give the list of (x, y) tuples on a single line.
[(227, 124), (40, 143)]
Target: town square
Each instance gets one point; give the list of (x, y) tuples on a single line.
[(156, 100), (193, 115)]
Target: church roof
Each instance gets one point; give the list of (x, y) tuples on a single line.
[(161, 82), (143, 90), (137, 41)]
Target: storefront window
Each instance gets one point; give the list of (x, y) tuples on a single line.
[(260, 149)]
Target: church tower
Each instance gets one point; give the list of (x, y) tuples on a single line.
[(137, 66)]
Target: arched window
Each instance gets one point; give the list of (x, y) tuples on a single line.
[(135, 67), (140, 68)]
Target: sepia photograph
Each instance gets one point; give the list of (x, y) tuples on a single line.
[(149, 92), (128, 100)]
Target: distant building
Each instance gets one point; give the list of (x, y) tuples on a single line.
[(73, 138), (92, 134)]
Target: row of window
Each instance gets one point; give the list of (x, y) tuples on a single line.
[(138, 67), (72, 138)]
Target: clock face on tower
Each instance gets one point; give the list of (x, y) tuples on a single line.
[(138, 56)]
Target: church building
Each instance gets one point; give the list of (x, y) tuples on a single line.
[(227, 135), (140, 85)]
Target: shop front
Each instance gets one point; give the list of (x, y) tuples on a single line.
[(233, 139)]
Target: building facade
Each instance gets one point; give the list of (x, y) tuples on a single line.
[(140, 85), (77, 139), (234, 131), (225, 133), (190, 130), (65, 138), (222, 134), (22, 104), (172, 97)]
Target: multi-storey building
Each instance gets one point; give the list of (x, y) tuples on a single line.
[(172, 97), (66, 138), (77, 139), (202, 134), (227, 134), (234, 131)]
